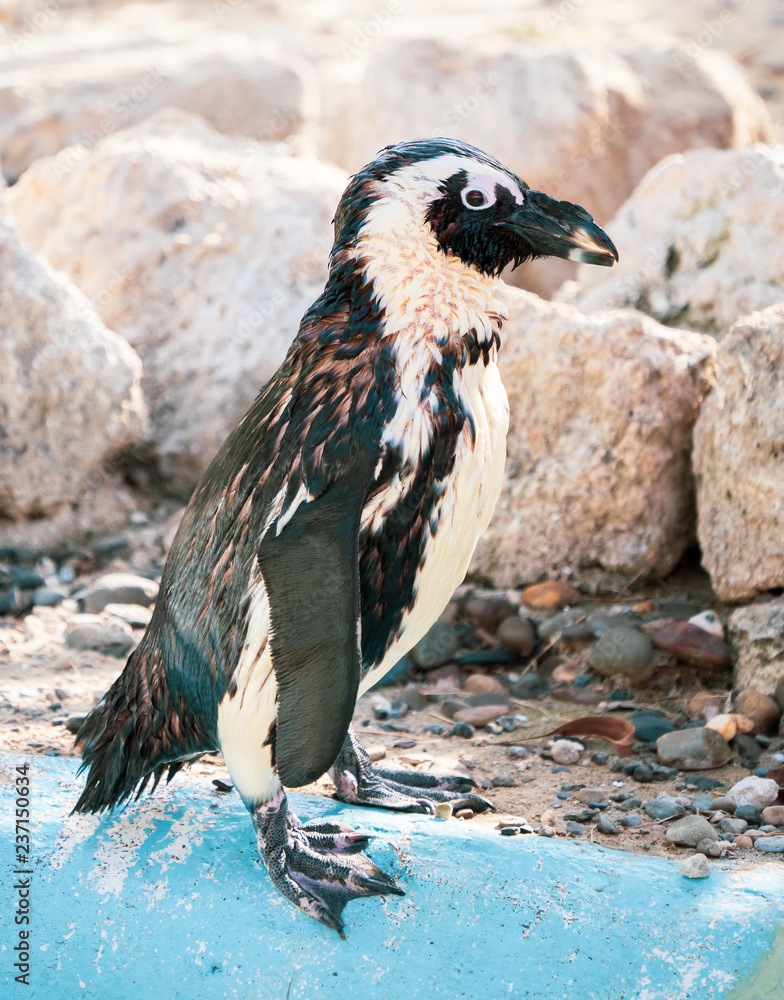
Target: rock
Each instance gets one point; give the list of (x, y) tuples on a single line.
[(756, 634), (751, 814), (730, 824), (710, 622), (484, 684), (529, 686), (770, 845), (575, 829), (723, 804), (463, 729), (107, 639), (693, 749), (697, 866), (710, 848), (703, 705), (631, 820), (480, 715), (743, 842), (664, 807), (503, 781), (693, 645), (550, 595), (762, 710), (490, 612), (498, 699), (203, 251), (592, 796), (773, 815), (737, 460), (602, 117), (622, 650), (566, 751), (120, 588), (517, 635), (437, 647), (650, 725), (779, 693), (413, 697), (443, 810), (46, 597), (70, 393), (586, 483), (605, 825), (690, 830), (76, 87), (729, 725), (754, 791), (699, 241), (642, 773)]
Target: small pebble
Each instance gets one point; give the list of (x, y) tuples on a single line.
[(520, 753), (711, 848), (754, 791), (600, 758), (509, 831), (697, 866), (504, 781), (480, 715), (546, 831), (517, 635), (560, 769), (693, 749), (489, 612), (774, 815), (465, 814), (507, 723), (444, 810), (631, 802), (566, 751), (605, 825), (732, 825), (709, 621), (584, 816), (483, 684), (578, 830), (751, 814), (770, 845), (743, 842), (693, 645), (404, 744), (650, 725), (74, 724), (703, 803), (690, 830), (632, 820), (642, 773), (550, 595), (563, 795), (723, 804), (664, 807), (763, 711), (102, 638), (434, 730), (463, 729), (529, 686), (622, 650)]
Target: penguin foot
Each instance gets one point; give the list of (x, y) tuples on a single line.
[(359, 782), (307, 863)]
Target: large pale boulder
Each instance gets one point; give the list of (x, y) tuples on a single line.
[(739, 460), (202, 251), (76, 86), (598, 468), (701, 241), (756, 634), (583, 123), (70, 391)]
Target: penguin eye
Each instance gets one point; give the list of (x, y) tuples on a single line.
[(477, 196)]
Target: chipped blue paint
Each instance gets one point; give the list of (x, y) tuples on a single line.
[(168, 899)]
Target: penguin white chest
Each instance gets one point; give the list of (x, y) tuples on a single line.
[(462, 513)]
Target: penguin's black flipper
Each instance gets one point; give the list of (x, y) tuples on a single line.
[(311, 573)]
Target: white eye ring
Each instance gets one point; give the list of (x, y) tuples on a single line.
[(485, 191)]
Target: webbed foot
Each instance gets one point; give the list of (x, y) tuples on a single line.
[(319, 867), (358, 781)]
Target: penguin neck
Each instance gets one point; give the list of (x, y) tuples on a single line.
[(426, 296)]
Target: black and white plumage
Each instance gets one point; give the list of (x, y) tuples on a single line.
[(336, 520)]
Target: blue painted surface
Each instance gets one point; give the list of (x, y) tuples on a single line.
[(168, 899)]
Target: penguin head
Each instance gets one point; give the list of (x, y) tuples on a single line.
[(470, 203)]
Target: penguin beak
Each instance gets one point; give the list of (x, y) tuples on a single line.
[(550, 228)]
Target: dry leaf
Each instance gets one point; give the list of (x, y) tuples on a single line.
[(619, 732)]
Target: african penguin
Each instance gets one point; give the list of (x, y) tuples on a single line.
[(333, 525)]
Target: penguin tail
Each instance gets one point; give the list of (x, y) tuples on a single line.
[(128, 736)]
